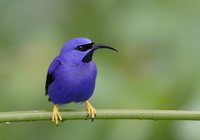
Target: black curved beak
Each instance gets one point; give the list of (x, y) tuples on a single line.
[(88, 57), (98, 46)]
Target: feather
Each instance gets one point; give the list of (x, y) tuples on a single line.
[(50, 75)]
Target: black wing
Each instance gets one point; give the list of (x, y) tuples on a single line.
[(50, 79), (50, 75)]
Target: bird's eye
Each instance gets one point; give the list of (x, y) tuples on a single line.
[(80, 47), (84, 47)]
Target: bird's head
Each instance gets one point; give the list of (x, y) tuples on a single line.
[(81, 49)]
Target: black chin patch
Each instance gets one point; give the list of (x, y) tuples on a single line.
[(88, 57)]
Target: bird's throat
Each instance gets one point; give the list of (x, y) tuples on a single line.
[(88, 57)]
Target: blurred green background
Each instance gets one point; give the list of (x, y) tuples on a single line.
[(157, 68)]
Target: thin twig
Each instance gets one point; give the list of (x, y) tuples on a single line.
[(41, 115)]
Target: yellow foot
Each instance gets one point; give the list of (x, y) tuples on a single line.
[(56, 114), (91, 110)]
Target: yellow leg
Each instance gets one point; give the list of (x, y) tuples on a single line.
[(91, 110), (56, 114)]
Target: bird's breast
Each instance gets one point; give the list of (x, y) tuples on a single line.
[(75, 82), (79, 73)]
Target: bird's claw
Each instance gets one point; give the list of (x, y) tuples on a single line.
[(91, 110), (87, 116), (56, 115)]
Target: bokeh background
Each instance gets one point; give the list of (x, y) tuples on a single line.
[(157, 68)]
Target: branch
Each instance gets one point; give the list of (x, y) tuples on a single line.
[(40, 115)]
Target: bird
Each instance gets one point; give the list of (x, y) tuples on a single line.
[(72, 74)]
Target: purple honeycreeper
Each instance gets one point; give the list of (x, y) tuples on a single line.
[(72, 74)]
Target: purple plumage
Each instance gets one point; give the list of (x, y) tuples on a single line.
[(72, 82), (72, 79)]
